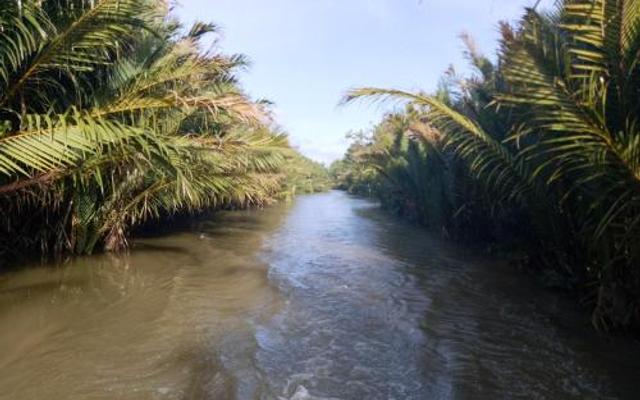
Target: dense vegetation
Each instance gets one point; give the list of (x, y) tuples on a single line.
[(112, 114), (538, 152), (305, 176)]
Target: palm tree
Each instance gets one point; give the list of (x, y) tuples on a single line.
[(111, 116), (553, 130)]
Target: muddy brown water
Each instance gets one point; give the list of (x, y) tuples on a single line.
[(326, 298)]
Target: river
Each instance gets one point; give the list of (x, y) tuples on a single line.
[(326, 298)]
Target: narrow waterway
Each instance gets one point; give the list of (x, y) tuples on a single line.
[(326, 298)]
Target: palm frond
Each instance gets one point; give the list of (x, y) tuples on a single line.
[(37, 50), (489, 159)]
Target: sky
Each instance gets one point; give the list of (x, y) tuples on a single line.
[(306, 53)]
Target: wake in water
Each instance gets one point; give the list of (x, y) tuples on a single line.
[(326, 299)]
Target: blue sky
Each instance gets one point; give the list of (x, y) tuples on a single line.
[(306, 53)]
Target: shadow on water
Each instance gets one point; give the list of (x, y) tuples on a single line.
[(497, 334), (328, 298), (154, 323)]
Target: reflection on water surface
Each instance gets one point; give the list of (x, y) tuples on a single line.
[(327, 298)]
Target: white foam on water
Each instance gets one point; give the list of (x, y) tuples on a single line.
[(302, 393)]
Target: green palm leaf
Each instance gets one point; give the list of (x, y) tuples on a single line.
[(489, 159)]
